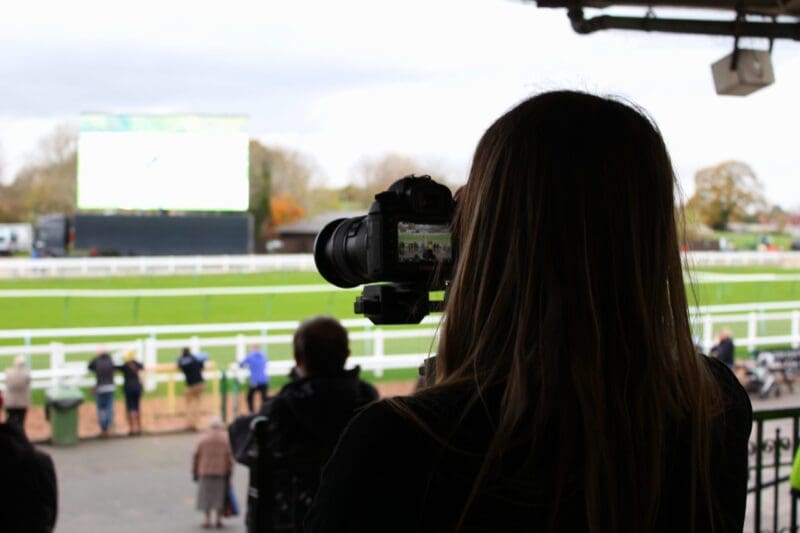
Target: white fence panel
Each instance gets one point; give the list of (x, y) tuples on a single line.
[(23, 267), (755, 325)]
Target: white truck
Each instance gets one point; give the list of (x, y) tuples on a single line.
[(8, 240)]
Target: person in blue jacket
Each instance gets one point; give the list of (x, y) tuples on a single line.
[(256, 362)]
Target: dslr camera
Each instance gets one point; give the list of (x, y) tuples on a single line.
[(402, 249)]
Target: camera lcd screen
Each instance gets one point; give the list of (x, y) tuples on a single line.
[(423, 243)]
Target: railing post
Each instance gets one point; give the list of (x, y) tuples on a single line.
[(150, 362), (795, 329), (171, 392), (752, 325), (223, 393), (56, 361), (241, 348), (368, 348), (708, 332), (378, 336), (194, 344), (27, 341), (235, 395)]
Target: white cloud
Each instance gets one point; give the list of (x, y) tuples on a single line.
[(344, 80)]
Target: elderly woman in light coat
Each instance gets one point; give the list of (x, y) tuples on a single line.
[(18, 392), (211, 468)]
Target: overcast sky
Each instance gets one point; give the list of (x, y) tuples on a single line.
[(340, 81)]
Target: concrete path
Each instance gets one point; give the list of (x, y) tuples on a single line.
[(144, 484), (132, 485)]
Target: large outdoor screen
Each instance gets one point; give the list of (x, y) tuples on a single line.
[(169, 162)]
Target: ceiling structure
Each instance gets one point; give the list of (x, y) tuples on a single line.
[(771, 19)]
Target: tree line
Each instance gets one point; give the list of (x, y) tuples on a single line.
[(283, 188)]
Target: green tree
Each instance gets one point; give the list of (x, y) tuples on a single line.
[(260, 190), (727, 192)]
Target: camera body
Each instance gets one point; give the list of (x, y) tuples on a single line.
[(404, 239)]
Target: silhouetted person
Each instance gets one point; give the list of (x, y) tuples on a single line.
[(192, 368), (28, 493), (306, 418), (724, 350), (568, 394), (132, 387), (103, 368), (256, 362)]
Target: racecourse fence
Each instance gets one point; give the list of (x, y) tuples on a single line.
[(144, 341), (757, 325), (60, 267), (64, 267)]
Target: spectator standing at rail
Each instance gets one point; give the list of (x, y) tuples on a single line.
[(724, 350), (18, 393), (103, 368), (212, 466), (192, 368), (132, 386), (256, 362), (568, 394)]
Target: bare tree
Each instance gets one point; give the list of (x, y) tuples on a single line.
[(48, 182), (373, 175)]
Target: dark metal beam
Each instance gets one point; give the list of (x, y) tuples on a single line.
[(742, 28)]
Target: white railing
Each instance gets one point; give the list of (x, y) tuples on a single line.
[(209, 264), (146, 344), (753, 325), (709, 259), (60, 267)]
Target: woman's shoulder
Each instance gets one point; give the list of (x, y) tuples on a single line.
[(735, 401), (383, 420), (410, 415)]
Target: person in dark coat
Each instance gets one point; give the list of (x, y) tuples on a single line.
[(132, 386), (724, 350), (192, 368), (305, 420), (28, 488), (568, 394), (103, 368)]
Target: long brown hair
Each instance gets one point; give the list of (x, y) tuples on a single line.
[(568, 293)]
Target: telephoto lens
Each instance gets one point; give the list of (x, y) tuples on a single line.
[(340, 252)]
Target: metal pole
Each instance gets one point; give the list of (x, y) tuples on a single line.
[(793, 527), (776, 475), (223, 393), (759, 463)]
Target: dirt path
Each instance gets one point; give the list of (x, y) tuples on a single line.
[(158, 416)]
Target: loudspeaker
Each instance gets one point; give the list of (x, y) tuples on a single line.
[(753, 72)]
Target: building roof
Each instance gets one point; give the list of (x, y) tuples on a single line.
[(765, 7), (312, 226)]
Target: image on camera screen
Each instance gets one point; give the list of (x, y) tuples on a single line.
[(423, 243)]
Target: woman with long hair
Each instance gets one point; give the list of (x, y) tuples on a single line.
[(568, 393)]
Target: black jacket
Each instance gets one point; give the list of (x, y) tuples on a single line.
[(28, 494), (312, 412), (304, 421), (390, 474)]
